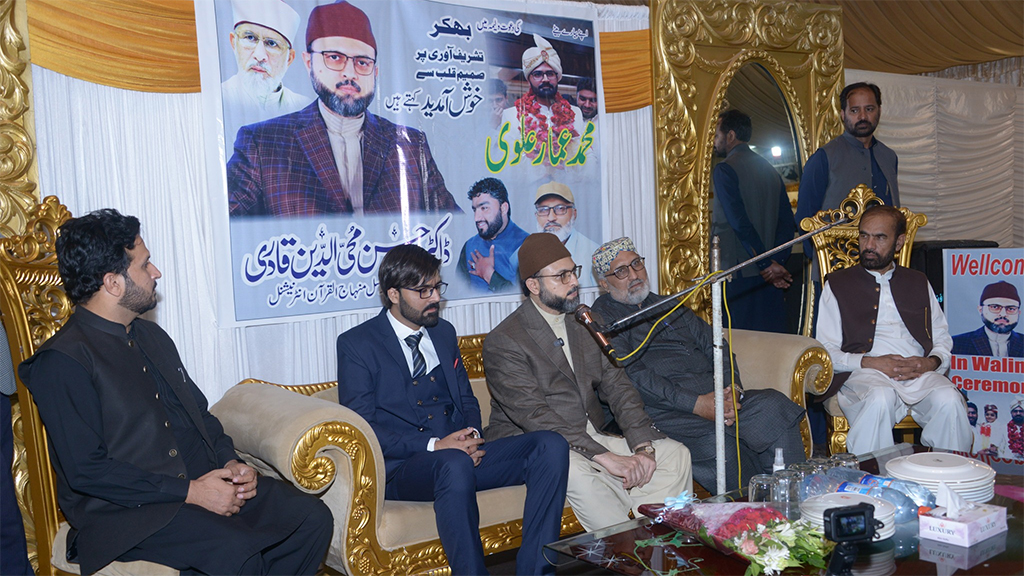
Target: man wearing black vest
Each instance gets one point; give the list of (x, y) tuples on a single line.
[(890, 345), (144, 471)]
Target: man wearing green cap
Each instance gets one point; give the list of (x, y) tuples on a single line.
[(546, 373)]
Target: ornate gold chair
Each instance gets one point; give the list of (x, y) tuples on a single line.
[(34, 306), (836, 249)]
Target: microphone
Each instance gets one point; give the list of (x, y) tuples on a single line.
[(559, 342), (583, 317)]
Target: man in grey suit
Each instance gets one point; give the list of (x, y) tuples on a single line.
[(674, 373), (751, 215), (546, 373)]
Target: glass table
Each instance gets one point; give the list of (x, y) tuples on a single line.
[(642, 547)]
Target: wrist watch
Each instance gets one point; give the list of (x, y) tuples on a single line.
[(645, 449)]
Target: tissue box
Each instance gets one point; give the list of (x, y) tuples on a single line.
[(974, 525), (960, 557)]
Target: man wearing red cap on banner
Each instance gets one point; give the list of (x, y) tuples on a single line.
[(1000, 313), (334, 156)]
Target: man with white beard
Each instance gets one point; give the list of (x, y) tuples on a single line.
[(262, 41), (556, 214)]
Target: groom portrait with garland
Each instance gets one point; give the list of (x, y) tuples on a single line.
[(543, 110)]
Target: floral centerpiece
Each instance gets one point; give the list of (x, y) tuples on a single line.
[(756, 532)]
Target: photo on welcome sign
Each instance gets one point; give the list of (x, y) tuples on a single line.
[(353, 127)]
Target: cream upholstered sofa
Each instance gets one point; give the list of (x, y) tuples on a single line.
[(302, 434)]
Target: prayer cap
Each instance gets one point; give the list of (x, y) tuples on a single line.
[(339, 19), (273, 14), (543, 53), (538, 251), (1000, 290), (607, 252)]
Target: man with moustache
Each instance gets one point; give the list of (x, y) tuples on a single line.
[(1015, 429), (334, 156), (402, 371), (972, 419), (543, 110), (586, 99), (490, 260), (555, 208), (144, 471), (889, 344), (854, 157), (1000, 312), (675, 375), (546, 373), (751, 215), (263, 43)]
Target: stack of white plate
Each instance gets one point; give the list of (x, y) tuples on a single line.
[(813, 509), (974, 480)]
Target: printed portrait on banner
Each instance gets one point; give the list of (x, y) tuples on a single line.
[(983, 289), (354, 127)]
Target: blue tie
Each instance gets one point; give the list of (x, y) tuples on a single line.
[(419, 364)]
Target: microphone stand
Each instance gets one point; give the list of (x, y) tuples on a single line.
[(717, 277), (716, 280)]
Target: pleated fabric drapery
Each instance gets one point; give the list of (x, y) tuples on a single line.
[(144, 154)]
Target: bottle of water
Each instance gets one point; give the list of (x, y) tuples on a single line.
[(918, 493), (818, 484)]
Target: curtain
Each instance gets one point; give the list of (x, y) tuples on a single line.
[(142, 153)]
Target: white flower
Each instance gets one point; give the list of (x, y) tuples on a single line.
[(774, 559), (786, 532)]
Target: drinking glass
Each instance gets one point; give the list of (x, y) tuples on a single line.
[(845, 460), (820, 465), (760, 488), (803, 468)]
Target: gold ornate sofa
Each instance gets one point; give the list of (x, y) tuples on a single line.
[(837, 249), (302, 434)]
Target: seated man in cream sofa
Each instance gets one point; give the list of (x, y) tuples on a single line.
[(402, 371), (675, 376)]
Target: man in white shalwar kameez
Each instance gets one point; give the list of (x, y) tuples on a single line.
[(890, 345)]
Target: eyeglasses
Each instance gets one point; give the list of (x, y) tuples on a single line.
[(997, 308), (249, 40), (622, 271), (428, 291), (560, 210), (565, 275), (542, 74), (337, 61)]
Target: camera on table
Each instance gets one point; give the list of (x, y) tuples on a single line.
[(848, 526), (850, 523)]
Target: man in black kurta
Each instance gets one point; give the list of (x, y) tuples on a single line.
[(674, 373), (144, 471)]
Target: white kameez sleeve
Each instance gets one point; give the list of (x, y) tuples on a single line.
[(942, 342)]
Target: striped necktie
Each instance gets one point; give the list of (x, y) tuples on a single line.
[(419, 364)]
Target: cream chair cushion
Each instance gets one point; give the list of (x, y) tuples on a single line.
[(60, 561)]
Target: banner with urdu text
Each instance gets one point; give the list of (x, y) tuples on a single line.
[(351, 128), (983, 289)]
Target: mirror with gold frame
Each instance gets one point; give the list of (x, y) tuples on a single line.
[(699, 46)]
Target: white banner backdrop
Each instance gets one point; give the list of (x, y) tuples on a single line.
[(142, 153)]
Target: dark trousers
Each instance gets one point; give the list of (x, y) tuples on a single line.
[(448, 478), (197, 541), (13, 554)]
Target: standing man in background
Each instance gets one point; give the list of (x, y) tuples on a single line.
[(751, 215)]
